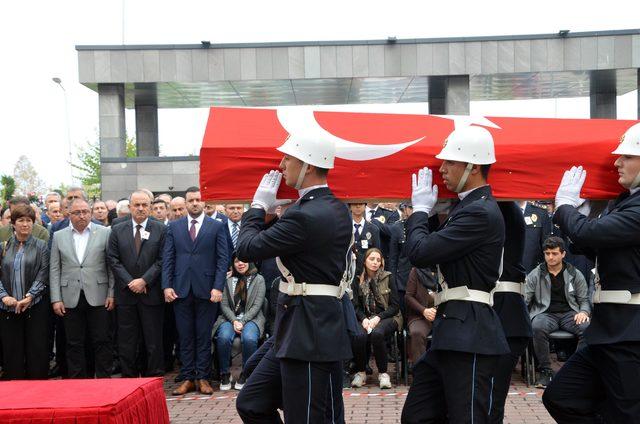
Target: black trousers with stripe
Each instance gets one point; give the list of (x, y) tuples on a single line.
[(308, 392), (599, 383), (451, 387)]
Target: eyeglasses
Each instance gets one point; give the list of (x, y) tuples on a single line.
[(80, 213)]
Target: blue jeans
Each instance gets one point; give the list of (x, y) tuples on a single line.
[(224, 341)]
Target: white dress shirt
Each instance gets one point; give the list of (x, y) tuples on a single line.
[(80, 241), (144, 226), (361, 223), (199, 219)]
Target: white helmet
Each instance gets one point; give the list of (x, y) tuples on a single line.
[(629, 142), (470, 144), (314, 151)]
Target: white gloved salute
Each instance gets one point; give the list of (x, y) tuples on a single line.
[(569, 191), (265, 197), (424, 195)]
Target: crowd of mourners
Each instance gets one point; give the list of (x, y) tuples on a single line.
[(84, 295)]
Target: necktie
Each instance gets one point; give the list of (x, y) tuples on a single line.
[(137, 240), (192, 230), (371, 213), (234, 234), (356, 233)]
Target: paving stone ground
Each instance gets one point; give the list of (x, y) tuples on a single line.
[(366, 405)]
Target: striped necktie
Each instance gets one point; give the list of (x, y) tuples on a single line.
[(234, 234)]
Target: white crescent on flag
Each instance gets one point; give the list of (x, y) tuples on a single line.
[(296, 120)]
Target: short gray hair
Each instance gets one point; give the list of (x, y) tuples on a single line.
[(122, 204), (74, 201), (141, 191), (53, 193)]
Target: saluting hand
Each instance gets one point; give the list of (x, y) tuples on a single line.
[(267, 191), (424, 195), (569, 190)]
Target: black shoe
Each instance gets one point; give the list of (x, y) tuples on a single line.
[(346, 380), (54, 371), (225, 382), (562, 356), (240, 383), (546, 375)]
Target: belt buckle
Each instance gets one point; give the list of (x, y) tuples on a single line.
[(304, 289)]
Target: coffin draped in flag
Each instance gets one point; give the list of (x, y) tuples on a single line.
[(376, 153)]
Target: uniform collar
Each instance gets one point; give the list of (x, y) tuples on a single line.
[(316, 191), (464, 194), (304, 191)]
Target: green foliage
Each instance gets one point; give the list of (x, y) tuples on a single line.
[(8, 186), (88, 163)]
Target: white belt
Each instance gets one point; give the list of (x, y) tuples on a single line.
[(462, 293), (623, 297), (304, 289), (509, 287)]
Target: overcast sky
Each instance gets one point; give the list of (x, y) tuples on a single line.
[(38, 41)]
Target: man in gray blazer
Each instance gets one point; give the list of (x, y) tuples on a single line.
[(82, 289)]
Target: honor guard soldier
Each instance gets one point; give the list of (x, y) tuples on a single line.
[(312, 242), (453, 381), (601, 382), (509, 304)]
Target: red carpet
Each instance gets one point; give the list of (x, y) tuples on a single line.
[(118, 400)]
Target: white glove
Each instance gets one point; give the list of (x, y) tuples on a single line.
[(569, 191), (265, 197), (424, 196)]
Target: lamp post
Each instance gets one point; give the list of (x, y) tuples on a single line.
[(58, 81)]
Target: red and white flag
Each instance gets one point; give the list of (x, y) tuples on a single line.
[(376, 153)]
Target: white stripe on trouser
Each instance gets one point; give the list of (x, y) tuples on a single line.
[(333, 418), (491, 396), (309, 401), (473, 386)]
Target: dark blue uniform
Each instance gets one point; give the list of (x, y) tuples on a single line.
[(310, 341), (601, 381), (510, 307), (538, 228), (453, 379), (389, 218), (368, 238)]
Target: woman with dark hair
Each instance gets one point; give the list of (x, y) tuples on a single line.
[(24, 311), (375, 299), (241, 316)]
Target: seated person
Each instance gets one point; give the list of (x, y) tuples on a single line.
[(420, 310), (241, 316), (556, 294), (375, 300)]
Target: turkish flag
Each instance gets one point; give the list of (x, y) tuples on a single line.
[(378, 152)]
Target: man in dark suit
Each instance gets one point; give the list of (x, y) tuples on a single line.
[(194, 271), (599, 383), (365, 234), (135, 256), (302, 372), (453, 380)]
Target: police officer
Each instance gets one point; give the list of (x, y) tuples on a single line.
[(600, 383), (538, 227), (311, 240), (453, 379), (509, 304)]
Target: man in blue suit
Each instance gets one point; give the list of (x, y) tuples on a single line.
[(196, 258)]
